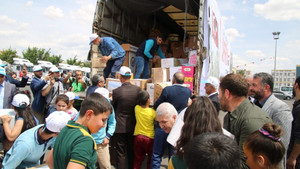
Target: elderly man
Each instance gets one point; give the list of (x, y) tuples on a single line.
[(280, 113), (97, 81), (166, 115), (7, 91), (52, 89), (113, 54), (293, 152), (211, 89), (177, 95), (31, 145), (243, 117)]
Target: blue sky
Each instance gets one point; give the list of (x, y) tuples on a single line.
[(64, 27)]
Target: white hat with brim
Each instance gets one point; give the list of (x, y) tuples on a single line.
[(125, 71), (20, 100), (213, 81), (104, 92), (2, 71), (37, 68), (57, 120), (93, 37), (72, 96), (54, 69)]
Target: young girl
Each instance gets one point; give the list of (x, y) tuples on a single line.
[(62, 102), (263, 148), (144, 130), (24, 119), (70, 109)]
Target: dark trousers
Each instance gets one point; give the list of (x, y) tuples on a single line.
[(123, 144), (142, 145), (160, 143), (112, 66)]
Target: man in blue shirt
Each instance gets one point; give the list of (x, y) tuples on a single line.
[(113, 54), (33, 143), (97, 81), (145, 52)]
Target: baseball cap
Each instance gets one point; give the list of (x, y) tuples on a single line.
[(213, 81), (72, 96), (20, 100), (2, 71), (125, 71), (57, 120), (54, 69), (93, 37), (104, 92), (37, 68)]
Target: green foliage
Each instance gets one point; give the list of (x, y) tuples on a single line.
[(241, 72), (8, 55), (54, 59), (34, 54), (72, 61), (86, 64)]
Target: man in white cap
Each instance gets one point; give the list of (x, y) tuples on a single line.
[(113, 54), (33, 143), (52, 89), (211, 87), (124, 100), (7, 91), (36, 87)]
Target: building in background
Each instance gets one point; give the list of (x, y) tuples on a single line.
[(284, 78), (297, 71)]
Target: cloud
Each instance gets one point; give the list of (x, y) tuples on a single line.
[(254, 54), (29, 3), (279, 10), (232, 33), (6, 20), (53, 12), (85, 13)]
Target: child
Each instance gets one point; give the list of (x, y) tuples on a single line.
[(62, 102), (74, 146), (263, 148), (144, 130), (70, 109), (24, 119)]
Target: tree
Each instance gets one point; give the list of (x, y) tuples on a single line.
[(34, 54), (54, 59), (72, 61), (86, 64), (241, 72), (8, 55)]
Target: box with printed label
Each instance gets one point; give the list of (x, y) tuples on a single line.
[(158, 88), (150, 90), (160, 75), (188, 71)]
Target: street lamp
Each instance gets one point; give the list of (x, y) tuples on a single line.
[(275, 36)]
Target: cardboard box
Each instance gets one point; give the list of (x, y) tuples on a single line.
[(142, 83), (97, 63), (150, 90), (192, 44), (158, 88), (112, 84), (188, 71), (160, 75), (173, 62), (173, 70)]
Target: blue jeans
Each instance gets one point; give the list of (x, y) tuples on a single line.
[(112, 66), (160, 143), (142, 66)]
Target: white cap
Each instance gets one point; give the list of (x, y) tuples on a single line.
[(57, 120), (37, 68), (71, 96), (93, 37), (2, 71), (213, 81), (54, 69), (20, 100), (104, 92), (125, 71)]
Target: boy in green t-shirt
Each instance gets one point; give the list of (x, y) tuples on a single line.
[(75, 147)]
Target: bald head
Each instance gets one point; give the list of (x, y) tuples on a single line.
[(178, 78)]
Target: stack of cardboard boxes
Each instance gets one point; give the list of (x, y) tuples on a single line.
[(163, 69)]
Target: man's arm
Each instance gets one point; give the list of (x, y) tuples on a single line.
[(18, 153), (49, 160), (72, 165), (291, 161), (67, 77), (111, 124), (47, 90), (160, 53), (148, 46)]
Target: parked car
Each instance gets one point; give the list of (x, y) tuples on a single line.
[(282, 95)]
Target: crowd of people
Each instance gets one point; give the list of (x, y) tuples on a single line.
[(121, 129)]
